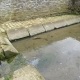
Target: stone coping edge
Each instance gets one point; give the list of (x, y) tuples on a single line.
[(22, 32), (7, 50)]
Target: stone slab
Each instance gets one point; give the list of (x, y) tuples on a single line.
[(2, 41), (79, 19), (27, 73), (17, 33), (9, 49), (72, 21), (2, 79), (34, 30), (48, 26), (59, 24), (62, 23)]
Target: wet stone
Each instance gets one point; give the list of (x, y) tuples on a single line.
[(57, 58), (1, 54), (9, 50), (72, 21)]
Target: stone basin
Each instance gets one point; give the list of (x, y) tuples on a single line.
[(56, 54)]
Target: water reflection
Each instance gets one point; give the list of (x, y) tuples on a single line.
[(58, 60)]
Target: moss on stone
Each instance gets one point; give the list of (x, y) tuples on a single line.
[(8, 77), (2, 57)]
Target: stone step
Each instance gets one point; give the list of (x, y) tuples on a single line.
[(61, 23), (34, 30), (17, 33), (48, 26)]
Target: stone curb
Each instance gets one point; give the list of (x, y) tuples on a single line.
[(6, 50), (34, 30), (18, 33)]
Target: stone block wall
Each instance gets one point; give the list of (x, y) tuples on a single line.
[(77, 6), (27, 9)]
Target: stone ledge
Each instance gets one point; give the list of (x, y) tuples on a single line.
[(61, 23), (48, 26), (72, 21), (36, 30), (6, 50), (17, 33)]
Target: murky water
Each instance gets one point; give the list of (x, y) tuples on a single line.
[(55, 54), (58, 60)]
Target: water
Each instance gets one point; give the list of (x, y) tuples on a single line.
[(8, 68), (46, 38), (56, 54), (58, 60)]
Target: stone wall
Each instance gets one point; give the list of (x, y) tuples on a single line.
[(77, 6), (27, 9)]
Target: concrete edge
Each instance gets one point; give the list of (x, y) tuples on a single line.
[(7, 50), (17, 33), (34, 30), (47, 27)]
